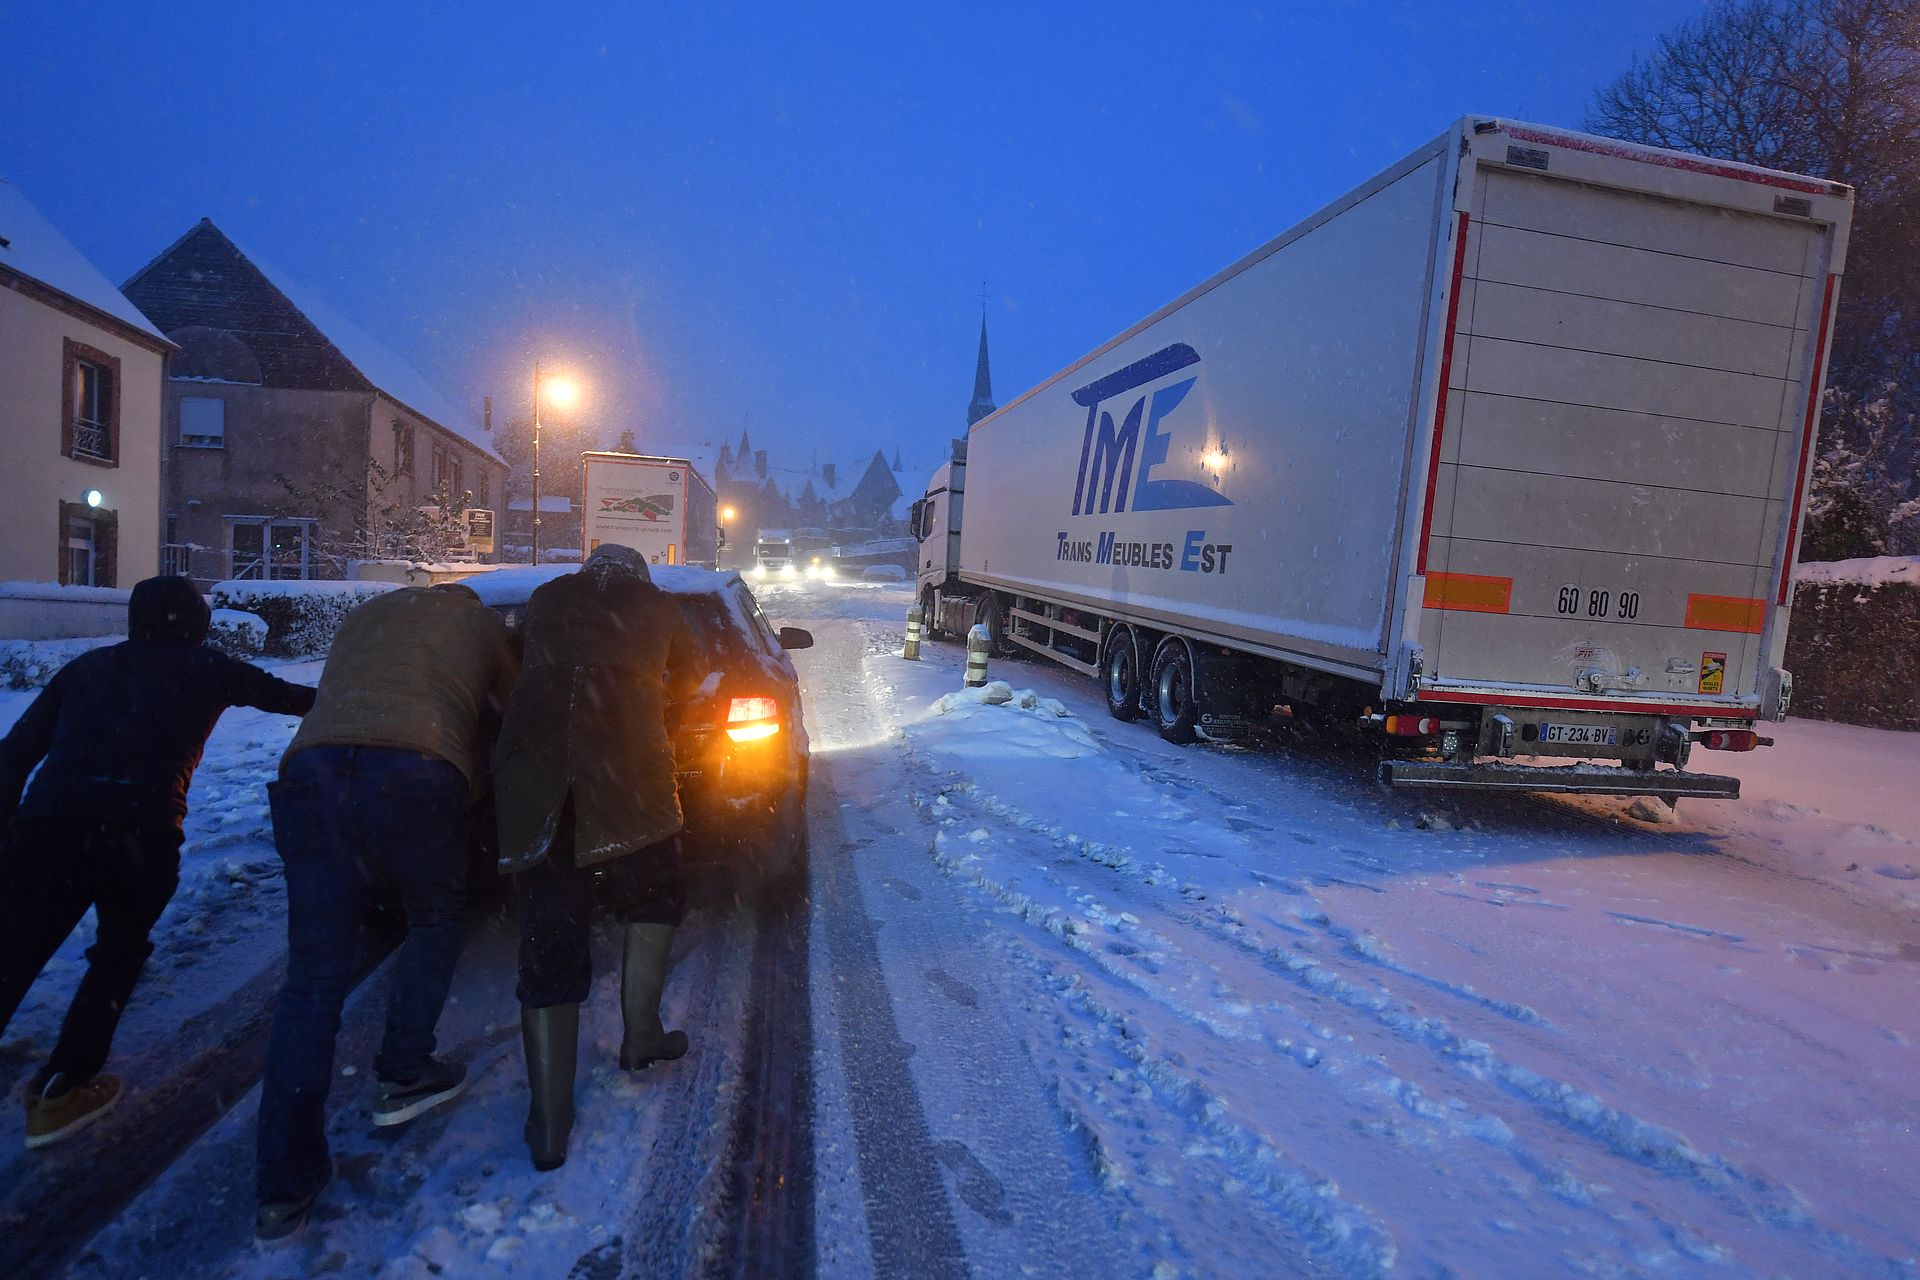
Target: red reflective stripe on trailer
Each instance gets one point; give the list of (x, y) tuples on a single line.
[(1691, 164), (1806, 441), (1446, 377), (1533, 702)]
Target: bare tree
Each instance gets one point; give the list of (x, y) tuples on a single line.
[(1828, 87), (388, 523)]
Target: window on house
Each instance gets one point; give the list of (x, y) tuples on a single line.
[(484, 493), (91, 401), (402, 448), (457, 489), (270, 550), (203, 422), (439, 469)]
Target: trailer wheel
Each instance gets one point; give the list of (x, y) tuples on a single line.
[(1175, 701), (1120, 673)]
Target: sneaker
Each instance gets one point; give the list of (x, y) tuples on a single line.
[(61, 1108), (278, 1222), (399, 1101)]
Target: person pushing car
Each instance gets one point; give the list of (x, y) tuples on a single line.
[(584, 784), (376, 791), (117, 734)]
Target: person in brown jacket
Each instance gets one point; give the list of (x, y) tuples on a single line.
[(376, 791), (584, 787)]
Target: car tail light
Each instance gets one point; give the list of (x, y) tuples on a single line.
[(1728, 739), (1412, 726), (751, 719)]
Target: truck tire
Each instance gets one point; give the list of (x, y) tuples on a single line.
[(1171, 694), (930, 615), (1120, 674), (991, 613)]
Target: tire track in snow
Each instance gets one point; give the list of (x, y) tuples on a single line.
[(1739, 1191)]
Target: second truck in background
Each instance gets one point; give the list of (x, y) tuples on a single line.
[(1501, 456), (661, 507)]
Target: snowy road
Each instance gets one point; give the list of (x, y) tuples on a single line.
[(1223, 1013), (1078, 1002)]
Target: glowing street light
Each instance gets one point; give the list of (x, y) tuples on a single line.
[(727, 514), (563, 393)]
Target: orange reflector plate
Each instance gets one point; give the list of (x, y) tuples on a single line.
[(1726, 613), (1471, 592)]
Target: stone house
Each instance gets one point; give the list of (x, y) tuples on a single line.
[(295, 442), (83, 378)]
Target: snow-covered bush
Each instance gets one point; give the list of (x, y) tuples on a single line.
[(301, 617), (237, 634), (29, 664)]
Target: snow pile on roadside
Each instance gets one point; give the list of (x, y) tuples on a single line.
[(1869, 571), (998, 721)]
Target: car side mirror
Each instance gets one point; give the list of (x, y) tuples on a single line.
[(796, 638)]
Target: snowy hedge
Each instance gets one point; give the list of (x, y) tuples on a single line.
[(29, 664), (237, 634), (1851, 647), (301, 617)]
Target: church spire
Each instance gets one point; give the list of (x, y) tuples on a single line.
[(982, 381)]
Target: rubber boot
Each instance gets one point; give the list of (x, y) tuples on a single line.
[(643, 975), (551, 1038)]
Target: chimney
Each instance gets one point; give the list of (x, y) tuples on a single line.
[(486, 414), (826, 473)]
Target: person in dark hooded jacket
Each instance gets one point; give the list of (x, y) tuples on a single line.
[(585, 789), (116, 734)]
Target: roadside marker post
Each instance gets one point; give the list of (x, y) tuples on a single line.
[(978, 642), (911, 652)]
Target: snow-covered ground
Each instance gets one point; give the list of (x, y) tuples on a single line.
[(1085, 1003), (1284, 1021)]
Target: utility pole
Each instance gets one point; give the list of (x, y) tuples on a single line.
[(536, 462)]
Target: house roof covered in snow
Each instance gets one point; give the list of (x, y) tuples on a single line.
[(206, 281), (30, 247)]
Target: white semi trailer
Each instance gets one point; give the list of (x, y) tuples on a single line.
[(661, 507), (1501, 456)]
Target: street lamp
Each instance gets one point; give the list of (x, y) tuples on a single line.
[(563, 392)]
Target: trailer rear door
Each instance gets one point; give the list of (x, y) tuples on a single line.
[(1619, 456)]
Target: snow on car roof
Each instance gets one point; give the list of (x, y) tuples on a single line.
[(517, 584)]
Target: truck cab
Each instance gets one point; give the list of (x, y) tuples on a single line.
[(935, 524), (773, 554)]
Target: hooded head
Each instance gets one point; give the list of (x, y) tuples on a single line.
[(612, 559), (167, 610)]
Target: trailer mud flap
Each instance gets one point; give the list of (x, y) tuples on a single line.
[(1580, 779)]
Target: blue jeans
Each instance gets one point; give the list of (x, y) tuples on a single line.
[(350, 822)]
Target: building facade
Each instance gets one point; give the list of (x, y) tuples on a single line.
[(82, 388), (295, 443)]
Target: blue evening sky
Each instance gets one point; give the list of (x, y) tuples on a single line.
[(780, 212)]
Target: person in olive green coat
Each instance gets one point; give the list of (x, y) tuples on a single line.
[(585, 790)]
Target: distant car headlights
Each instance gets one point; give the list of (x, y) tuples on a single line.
[(787, 571)]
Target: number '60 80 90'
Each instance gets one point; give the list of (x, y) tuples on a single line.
[(1594, 602)]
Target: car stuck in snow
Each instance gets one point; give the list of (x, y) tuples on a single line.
[(740, 742)]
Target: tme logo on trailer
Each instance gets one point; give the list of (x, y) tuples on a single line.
[(1108, 453), (1117, 462)]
